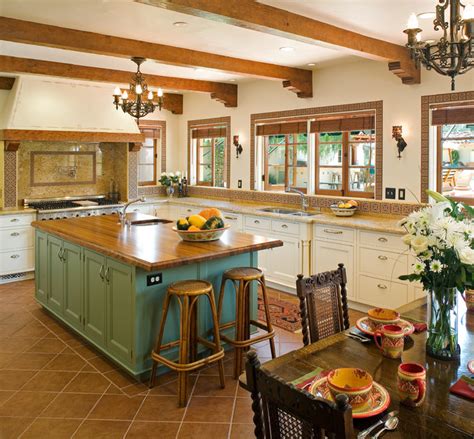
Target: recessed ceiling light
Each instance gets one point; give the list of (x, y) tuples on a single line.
[(426, 15), (180, 23), (287, 49), (311, 64)]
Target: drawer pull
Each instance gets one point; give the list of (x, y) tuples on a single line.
[(256, 222), (230, 218), (382, 286), (14, 220), (14, 234), (382, 257), (333, 232), (189, 210), (284, 226), (382, 239), (14, 256)]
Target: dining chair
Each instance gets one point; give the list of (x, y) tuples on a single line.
[(323, 304), (285, 412)]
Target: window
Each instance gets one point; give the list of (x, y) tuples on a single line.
[(148, 157)]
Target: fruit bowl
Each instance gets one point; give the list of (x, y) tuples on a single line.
[(201, 235), (343, 211)]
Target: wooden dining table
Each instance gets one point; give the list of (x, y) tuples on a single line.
[(442, 414)]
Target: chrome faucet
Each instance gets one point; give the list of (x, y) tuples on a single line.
[(123, 213), (304, 198)]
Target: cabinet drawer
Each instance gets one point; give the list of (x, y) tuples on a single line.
[(16, 220), (16, 261), (258, 223), (146, 209), (21, 237), (188, 211), (382, 293), (235, 220), (290, 228), (383, 263), (335, 233), (382, 240)]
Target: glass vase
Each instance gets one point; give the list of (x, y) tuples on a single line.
[(169, 191), (442, 342)]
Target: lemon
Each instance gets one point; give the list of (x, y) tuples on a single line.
[(197, 221)]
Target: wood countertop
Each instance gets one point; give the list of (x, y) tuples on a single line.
[(151, 247)]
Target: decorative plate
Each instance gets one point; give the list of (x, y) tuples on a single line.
[(379, 398), (366, 326), (470, 366), (201, 235)]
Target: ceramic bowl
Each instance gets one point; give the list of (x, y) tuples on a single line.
[(201, 235), (383, 316), (353, 382), (343, 212)]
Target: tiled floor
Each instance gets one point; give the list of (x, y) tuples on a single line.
[(54, 385)]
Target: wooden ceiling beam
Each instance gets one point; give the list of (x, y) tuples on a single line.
[(10, 64), (274, 21), (27, 32), (6, 83)]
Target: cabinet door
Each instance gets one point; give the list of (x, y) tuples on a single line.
[(326, 257), (41, 270), (119, 309), (161, 210), (55, 275), (94, 296), (264, 256), (72, 284), (285, 262)]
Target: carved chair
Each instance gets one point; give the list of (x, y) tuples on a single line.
[(282, 411), (323, 304)]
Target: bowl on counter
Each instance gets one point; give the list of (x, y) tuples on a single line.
[(343, 211), (201, 235)]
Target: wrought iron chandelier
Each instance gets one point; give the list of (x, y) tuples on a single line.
[(453, 53), (138, 106)]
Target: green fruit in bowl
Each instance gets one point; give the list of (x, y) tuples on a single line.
[(182, 224), (213, 223)]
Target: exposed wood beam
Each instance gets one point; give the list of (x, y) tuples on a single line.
[(171, 101), (10, 64), (76, 136), (6, 83), (27, 32), (134, 146), (271, 20)]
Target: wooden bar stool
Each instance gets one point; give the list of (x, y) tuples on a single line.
[(187, 293), (242, 279)]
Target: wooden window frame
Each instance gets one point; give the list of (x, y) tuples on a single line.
[(213, 161), (155, 157), (158, 128)]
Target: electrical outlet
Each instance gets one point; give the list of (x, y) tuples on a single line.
[(390, 193), (154, 279), (401, 194), (239, 184)]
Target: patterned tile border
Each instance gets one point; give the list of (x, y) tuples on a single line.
[(216, 120), (132, 175), (426, 103), (308, 113), (10, 179)]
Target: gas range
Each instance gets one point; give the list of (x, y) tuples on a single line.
[(69, 207)]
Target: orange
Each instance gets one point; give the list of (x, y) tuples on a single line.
[(194, 229), (212, 211)]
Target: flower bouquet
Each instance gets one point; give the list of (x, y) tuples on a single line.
[(169, 180), (442, 237)]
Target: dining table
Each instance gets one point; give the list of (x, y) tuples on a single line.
[(442, 415)]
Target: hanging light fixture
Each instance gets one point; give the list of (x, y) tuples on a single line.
[(138, 106), (453, 53)]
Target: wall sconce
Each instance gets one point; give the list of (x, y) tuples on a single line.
[(238, 147), (397, 135)]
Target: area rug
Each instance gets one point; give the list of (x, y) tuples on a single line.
[(283, 314)]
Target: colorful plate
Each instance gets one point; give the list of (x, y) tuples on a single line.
[(366, 326), (378, 402), (470, 366)]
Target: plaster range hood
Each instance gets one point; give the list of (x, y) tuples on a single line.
[(53, 109)]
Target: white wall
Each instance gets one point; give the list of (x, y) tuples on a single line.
[(344, 83)]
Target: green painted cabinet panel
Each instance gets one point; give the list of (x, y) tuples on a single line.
[(55, 275), (41, 269), (94, 297), (120, 309), (72, 257)]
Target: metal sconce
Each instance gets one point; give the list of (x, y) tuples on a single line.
[(397, 135), (238, 147)]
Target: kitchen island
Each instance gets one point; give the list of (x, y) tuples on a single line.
[(107, 281)]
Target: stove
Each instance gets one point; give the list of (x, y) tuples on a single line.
[(69, 207)]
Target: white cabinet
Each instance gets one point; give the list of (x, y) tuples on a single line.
[(140, 208), (185, 211), (233, 219), (285, 262)]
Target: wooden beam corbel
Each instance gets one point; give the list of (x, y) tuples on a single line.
[(134, 146), (173, 102), (405, 71), (11, 146), (228, 99), (6, 83), (303, 89)]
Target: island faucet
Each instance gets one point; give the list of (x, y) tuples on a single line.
[(123, 213), (304, 198)]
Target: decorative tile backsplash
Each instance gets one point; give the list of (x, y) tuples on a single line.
[(9, 175)]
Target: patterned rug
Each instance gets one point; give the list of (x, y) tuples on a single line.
[(283, 314)]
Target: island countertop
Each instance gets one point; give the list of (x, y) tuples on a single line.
[(150, 247)]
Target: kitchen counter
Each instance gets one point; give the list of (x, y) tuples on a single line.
[(16, 210)]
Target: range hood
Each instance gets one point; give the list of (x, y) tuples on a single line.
[(39, 108)]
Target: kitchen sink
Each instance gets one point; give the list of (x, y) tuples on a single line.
[(283, 211), (303, 213), (150, 222)]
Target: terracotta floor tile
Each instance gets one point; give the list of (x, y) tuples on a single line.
[(11, 428), (5, 359), (49, 381), (192, 430), (102, 429), (17, 344), (6, 394), (66, 362), (243, 411), (209, 409), (71, 405), (88, 382), (116, 407), (241, 431), (26, 404), (208, 385), (213, 369), (241, 392), (119, 378), (85, 351), (171, 387), (51, 428), (13, 379), (113, 390), (26, 361), (48, 346), (33, 330), (160, 408), (135, 389), (153, 430), (8, 329), (102, 364)]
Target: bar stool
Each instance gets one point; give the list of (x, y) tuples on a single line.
[(244, 276), (187, 293)]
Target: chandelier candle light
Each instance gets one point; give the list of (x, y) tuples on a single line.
[(453, 54), (138, 106)]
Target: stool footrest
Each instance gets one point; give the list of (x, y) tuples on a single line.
[(249, 342), (188, 366)]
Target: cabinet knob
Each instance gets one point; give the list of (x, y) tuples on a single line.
[(284, 226), (14, 234), (256, 222), (14, 220), (382, 286), (333, 232), (382, 239), (14, 256), (230, 218), (383, 258)]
